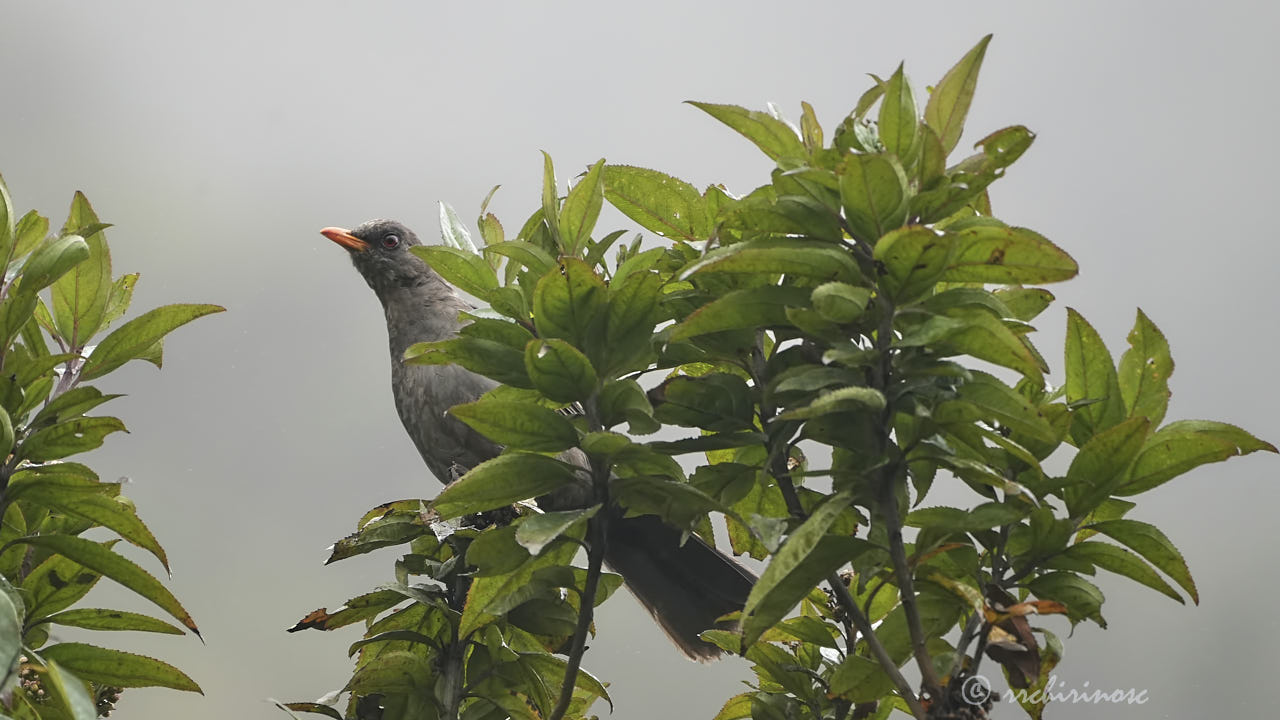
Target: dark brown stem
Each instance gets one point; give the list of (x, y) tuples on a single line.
[(595, 559), (597, 542), (906, 588), (453, 673), (850, 606)]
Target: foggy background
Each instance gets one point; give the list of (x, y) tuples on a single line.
[(220, 137)]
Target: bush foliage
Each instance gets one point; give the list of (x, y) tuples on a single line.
[(830, 347), (58, 303)]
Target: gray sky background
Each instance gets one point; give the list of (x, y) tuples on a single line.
[(219, 137)]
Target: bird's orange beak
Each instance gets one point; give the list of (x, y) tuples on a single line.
[(345, 239)]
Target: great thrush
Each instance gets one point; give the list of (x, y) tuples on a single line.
[(685, 586)]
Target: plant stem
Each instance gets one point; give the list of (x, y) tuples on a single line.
[(454, 671), (597, 543), (906, 589), (850, 606), (881, 379), (595, 560)]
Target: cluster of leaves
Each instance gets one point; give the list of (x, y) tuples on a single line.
[(816, 337), (57, 295)]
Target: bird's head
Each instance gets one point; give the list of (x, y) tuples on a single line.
[(380, 251)]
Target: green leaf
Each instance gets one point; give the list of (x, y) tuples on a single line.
[(103, 560), (398, 672), (491, 230), (15, 312), (314, 708), (1000, 403), (1180, 446), (136, 338), (569, 305), (80, 296), (658, 202), (1122, 562), (630, 318), (55, 584), (581, 209), (715, 401), (506, 332), (1091, 375), (736, 708), (992, 254), (358, 609), (552, 670), (1144, 371), (740, 309), (10, 623), (491, 595), (860, 679), (465, 269), (453, 232), (90, 504), (1153, 545), (679, 504), (386, 531), (899, 127), (550, 199), (1082, 598), (949, 103), (118, 668), (1025, 303), (625, 401), (603, 443), (68, 438), (503, 480), (71, 404), (104, 619), (839, 302), (873, 193), (914, 260), (1103, 464), (66, 691), (811, 131), (491, 358), (405, 636), (538, 261), (981, 335), (777, 139), (7, 223), (31, 229), (772, 256), (520, 425), (538, 531), (807, 557), (857, 398), (982, 517), (50, 260), (559, 371)]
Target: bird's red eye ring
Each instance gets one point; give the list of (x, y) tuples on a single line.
[(390, 241)]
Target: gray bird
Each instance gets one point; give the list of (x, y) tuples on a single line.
[(684, 586)]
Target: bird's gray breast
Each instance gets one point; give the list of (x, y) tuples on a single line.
[(423, 395)]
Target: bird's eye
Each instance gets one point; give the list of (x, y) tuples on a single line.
[(390, 241)]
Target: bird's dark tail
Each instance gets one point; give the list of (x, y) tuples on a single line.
[(685, 587)]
